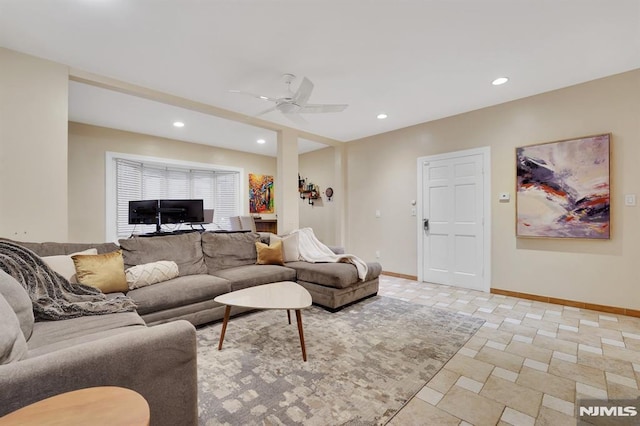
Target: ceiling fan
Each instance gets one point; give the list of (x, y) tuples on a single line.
[(293, 103)]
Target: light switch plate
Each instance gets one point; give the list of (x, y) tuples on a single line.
[(630, 200)]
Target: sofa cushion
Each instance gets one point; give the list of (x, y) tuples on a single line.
[(336, 275), (102, 271), (63, 264), (13, 346), (253, 275), (19, 300), (374, 269), (179, 291), (228, 250), (184, 249), (49, 336)]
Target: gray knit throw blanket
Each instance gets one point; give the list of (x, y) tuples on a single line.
[(54, 297)]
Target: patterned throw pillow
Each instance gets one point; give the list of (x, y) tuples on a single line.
[(151, 273)]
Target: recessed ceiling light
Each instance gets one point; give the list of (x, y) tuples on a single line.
[(382, 116), (261, 141), (263, 97), (500, 80), (178, 124)]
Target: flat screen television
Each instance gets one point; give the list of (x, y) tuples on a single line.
[(143, 212), (181, 211)]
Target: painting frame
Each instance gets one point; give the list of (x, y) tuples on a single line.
[(261, 194), (563, 189)]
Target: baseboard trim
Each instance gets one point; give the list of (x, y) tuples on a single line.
[(567, 302), (397, 275)]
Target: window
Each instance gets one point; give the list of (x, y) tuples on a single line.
[(144, 178)]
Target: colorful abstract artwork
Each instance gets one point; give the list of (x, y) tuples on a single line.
[(261, 194), (563, 189)]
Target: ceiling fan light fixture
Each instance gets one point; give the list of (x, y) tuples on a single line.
[(500, 80), (291, 103), (381, 116), (178, 124)]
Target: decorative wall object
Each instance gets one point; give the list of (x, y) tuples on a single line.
[(563, 190), (308, 190), (261, 194), (329, 193)]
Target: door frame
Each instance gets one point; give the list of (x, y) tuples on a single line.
[(486, 182)]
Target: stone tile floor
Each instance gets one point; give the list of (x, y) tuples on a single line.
[(528, 365)]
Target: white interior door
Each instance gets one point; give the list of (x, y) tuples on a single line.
[(453, 231)]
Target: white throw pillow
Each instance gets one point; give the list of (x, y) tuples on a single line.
[(290, 251), (63, 264), (151, 273)]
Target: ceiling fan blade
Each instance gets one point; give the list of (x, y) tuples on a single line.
[(296, 118), (319, 108), (304, 92), (266, 98), (267, 111)]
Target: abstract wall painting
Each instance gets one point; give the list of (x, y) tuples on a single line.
[(562, 189), (261, 194)]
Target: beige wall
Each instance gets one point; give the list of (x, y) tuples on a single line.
[(87, 149), (33, 148), (382, 175), (319, 168), (286, 182)]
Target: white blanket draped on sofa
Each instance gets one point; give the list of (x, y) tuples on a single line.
[(312, 250)]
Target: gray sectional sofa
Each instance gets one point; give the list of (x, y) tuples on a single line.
[(212, 264), (153, 350)]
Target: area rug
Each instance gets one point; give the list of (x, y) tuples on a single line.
[(364, 363)]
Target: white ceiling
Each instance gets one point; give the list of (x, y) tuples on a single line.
[(416, 60), (107, 108)]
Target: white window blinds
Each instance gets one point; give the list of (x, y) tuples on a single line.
[(135, 180), (226, 185)]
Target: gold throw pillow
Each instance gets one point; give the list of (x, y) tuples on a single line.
[(269, 255), (102, 271)]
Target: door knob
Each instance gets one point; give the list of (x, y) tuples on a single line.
[(425, 224)]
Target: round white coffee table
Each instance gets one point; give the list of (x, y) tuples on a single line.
[(281, 295)]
